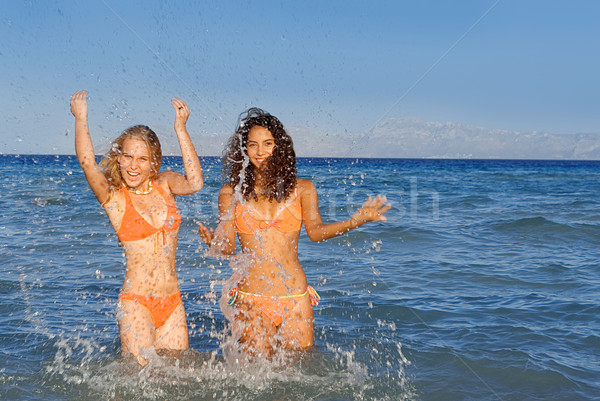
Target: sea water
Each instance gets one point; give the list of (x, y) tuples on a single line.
[(484, 284)]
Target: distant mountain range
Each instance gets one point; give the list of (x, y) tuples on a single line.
[(415, 138)]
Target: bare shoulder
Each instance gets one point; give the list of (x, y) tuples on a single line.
[(226, 194), (162, 181), (226, 190), (305, 186)]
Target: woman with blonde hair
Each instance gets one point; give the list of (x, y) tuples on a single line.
[(265, 204), (140, 203)]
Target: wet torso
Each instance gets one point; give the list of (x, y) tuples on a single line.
[(268, 231), (148, 227)]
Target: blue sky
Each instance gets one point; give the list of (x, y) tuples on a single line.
[(329, 66)]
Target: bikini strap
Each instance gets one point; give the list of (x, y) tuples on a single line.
[(168, 199), (314, 296), (310, 291), (231, 297), (125, 191)]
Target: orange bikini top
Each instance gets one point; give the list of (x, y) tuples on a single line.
[(134, 227), (250, 221)]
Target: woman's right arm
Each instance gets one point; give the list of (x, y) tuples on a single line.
[(222, 239), (85, 150)]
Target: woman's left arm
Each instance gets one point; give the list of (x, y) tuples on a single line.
[(192, 181), (372, 210)]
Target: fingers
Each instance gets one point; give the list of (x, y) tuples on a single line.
[(380, 213), (182, 113), (79, 104), (179, 105), (376, 202), (385, 208), (205, 233), (379, 201), (374, 208), (78, 97), (367, 203)]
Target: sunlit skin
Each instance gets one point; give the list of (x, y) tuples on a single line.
[(260, 145), (135, 164), (275, 269), (150, 268)]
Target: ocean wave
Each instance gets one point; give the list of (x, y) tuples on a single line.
[(544, 227)]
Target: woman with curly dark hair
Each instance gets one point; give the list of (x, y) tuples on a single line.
[(266, 205)]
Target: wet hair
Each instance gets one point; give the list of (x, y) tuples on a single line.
[(280, 170), (110, 163)]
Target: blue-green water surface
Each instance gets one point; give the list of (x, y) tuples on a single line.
[(484, 284)]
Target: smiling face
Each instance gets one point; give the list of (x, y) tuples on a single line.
[(135, 163), (260, 145)]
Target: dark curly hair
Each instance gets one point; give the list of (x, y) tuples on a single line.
[(280, 169)]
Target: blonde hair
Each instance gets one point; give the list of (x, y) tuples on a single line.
[(110, 163)]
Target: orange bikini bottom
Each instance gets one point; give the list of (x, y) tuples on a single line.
[(160, 308), (274, 308)]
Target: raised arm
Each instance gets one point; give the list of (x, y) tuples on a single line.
[(192, 181), (372, 210), (85, 150), (221, 240)]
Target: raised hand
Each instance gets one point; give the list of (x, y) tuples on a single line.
[(372, 210), (79, 106), (182, 113)]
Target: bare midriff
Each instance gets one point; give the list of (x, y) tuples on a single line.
[(148, 272), (274, 268)]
